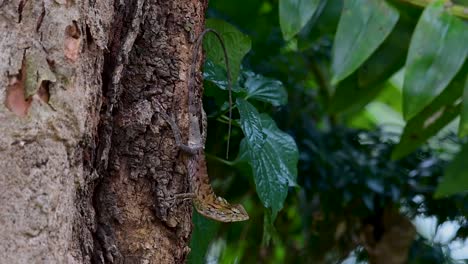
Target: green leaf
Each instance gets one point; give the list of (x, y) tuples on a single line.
[(434, 117), (363, 26), (389, 57), (272, 154), (294, 14), (204, 231), (237, 45), (251, 124), (282, 148), (422, 127), (217, 75), (265, 89), (361, 87), (463, 128), (437, 51), (456, 176)]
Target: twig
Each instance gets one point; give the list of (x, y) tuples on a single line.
[(456, 10)]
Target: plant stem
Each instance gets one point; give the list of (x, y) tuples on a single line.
[(225, 120), (227, 162), (456, 10)]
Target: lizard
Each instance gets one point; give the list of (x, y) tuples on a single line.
[(205, 200)]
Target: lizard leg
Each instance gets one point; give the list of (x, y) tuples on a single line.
[(184, 196), (177, 135), (181, 196)]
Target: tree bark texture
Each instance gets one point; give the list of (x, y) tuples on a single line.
[(87, 166)]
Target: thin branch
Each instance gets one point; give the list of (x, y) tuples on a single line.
[(456, 10)]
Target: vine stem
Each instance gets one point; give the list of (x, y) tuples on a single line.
[(227, 162)]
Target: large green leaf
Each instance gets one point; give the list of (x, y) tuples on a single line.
[(272, 154), (437, 51), (390, 56), (456, 176), (363, 26), (294, 14), (309, 33), (237, 45), (422, 127), (434, 117), (463, 129), (254, 86), (282, 148), (265, 89)]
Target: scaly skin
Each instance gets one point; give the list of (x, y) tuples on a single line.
[(206, 202)]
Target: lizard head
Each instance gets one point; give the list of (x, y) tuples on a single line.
[(220, 210)]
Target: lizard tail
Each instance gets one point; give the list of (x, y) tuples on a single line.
[(192, 107)]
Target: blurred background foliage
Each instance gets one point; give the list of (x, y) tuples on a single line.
[(371, 153)]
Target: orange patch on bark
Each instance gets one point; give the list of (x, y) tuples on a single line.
[(15, 100)]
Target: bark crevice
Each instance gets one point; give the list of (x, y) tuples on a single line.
[(137, 160)]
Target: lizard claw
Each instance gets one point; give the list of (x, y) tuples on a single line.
[(180, 196)]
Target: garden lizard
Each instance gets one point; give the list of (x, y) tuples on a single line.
[(206, 202)]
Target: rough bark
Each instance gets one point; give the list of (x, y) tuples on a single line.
[(87, 167), (136, 219)]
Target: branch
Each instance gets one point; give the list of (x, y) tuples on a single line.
[(456, 10)]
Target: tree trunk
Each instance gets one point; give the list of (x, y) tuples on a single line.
[(87, 166)]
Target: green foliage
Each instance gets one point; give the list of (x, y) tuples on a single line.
[(272, 191), (315, 69), (237, 45), (437, 51), (272, 154), (433, 118), (364, 85), (294, 14), (265, 89), (347, 181), (215, 74), (363, 26)]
